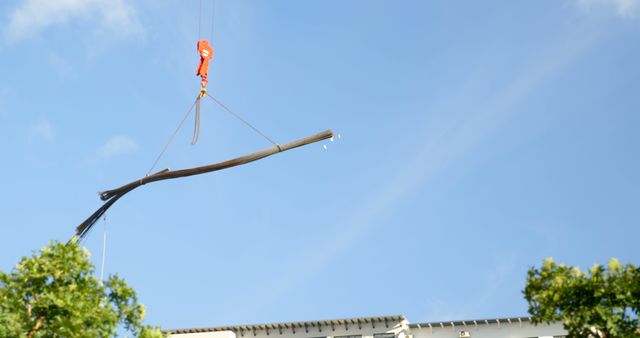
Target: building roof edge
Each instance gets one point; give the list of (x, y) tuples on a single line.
[(290, 325), (506, 320)]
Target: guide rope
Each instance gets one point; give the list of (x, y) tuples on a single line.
[(104, 248)]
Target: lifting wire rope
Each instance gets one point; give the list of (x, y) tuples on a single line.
[(186, 116), (199, 19), (213, 15), (196, 104), (164, 149), (206, 54), (243, 120)]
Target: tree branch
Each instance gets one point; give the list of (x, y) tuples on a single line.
[(36, 327)]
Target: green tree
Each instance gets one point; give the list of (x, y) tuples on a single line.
[(54, 293), (603, 302)]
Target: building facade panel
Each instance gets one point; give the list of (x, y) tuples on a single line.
[(382, 327)]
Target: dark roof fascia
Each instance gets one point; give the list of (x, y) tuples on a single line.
[(290, 325), (508, 320)]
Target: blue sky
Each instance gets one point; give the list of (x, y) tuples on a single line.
[(477, 138)]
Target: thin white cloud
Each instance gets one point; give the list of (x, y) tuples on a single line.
[(624, 8), (61, 66), (491, 284), (116, 146), (43, 131), (32, 16), (454, 141)]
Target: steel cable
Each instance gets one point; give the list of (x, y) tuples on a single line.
[(172, 136), (239, 117)]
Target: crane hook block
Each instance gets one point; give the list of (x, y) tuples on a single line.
[(206, 54)]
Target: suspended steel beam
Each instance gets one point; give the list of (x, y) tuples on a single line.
[(111, 196)]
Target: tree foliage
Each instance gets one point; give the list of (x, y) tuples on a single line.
[(54, 293), (603, 302)]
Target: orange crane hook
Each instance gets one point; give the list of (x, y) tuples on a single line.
[(206, 54)]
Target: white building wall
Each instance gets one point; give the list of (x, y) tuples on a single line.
[(396, 329), (313, 330), (492, 330), (218, 334)]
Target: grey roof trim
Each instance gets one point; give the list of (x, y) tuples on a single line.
[(291, 325), (508, 320)]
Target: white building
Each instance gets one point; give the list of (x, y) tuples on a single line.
[(382, 327)]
